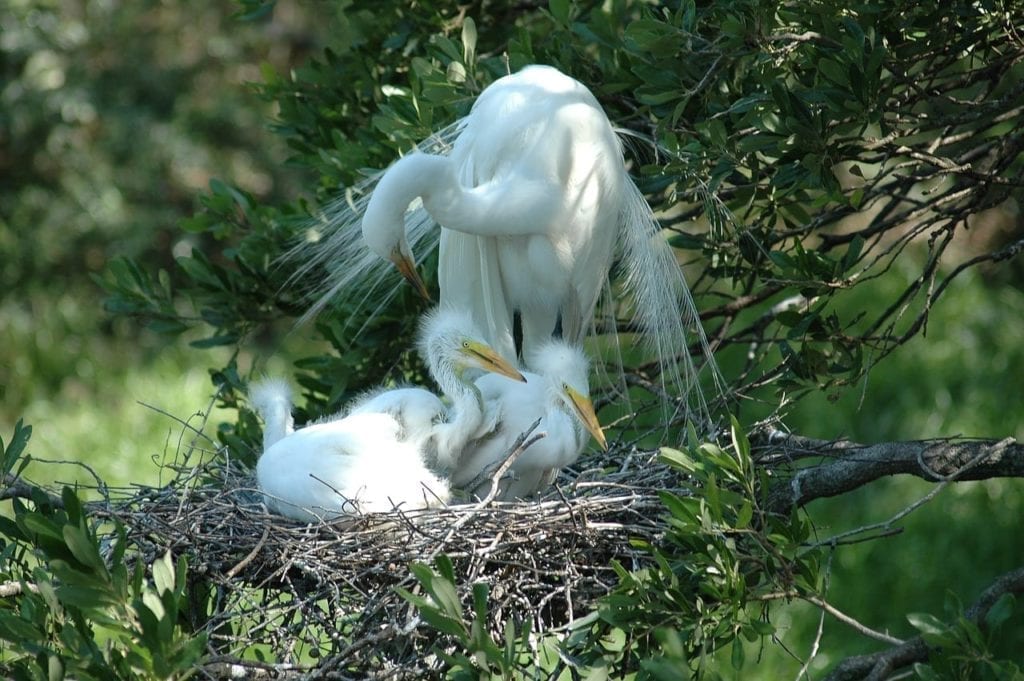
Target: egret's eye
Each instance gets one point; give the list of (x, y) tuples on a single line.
[(565, 387), (465, 344)]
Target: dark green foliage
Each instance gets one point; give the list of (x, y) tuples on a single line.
[(81, 612), (963, 648), (714, 573)]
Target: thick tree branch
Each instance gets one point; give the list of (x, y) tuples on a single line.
[(850, 465), (881, 665)]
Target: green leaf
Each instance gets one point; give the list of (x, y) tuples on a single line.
[(744, 515), (13, 451), (419, 601), (14, 628), (480, 595), (852, 252), (54, 668), (738, 657), (927, 623), (925, 672), (469, 40), (163, 573), (560, 11), (215, 341), (1000, 611), (712, 497), (444, 593), (83, 548), (445, 568), (85, 597), (10, 530), (741, 443), (37, 524), (680, 508), (679, 459), (220, 188), (444, 623), (456, 73)]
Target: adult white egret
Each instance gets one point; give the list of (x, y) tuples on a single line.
[(530, 197), (535, 202), (558, 394)]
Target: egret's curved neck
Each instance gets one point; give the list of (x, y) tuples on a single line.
[(513, 205), (465, 415), (411, 177), (452, 380)]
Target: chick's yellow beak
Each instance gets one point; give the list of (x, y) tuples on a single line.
[(486, 358), (585, 411), (407, 268)]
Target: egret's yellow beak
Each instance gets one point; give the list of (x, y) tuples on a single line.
[(485, 357), (585, 411), (407, 268)]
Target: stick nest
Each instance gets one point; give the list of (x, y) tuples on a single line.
[(322, 597)]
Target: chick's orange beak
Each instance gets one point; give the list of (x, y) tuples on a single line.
[(488, 359), (585, 411)]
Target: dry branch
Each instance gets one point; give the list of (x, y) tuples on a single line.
[(849, 465)]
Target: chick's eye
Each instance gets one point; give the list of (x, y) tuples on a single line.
[(565, 386)]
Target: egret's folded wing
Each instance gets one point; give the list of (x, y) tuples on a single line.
[(469, 275)]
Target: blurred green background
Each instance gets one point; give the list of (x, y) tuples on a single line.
[(114, 116)]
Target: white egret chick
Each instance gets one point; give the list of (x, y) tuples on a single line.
[(335, 468), (417, 411), (451, 346), (272, 400), (558, 394), (354, 465), (376, 456), (455, 354)]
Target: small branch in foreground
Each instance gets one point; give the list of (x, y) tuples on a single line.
[(495, 474), (827, 607), (852, 465)]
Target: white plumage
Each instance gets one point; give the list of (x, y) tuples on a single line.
[(375, 457), (535, 201), (272, 400), (417, 411), (530, 198), (557, 394), (357, 464)]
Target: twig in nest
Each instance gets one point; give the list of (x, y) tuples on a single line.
[(252, 554), (185, 424), (521, 444)]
